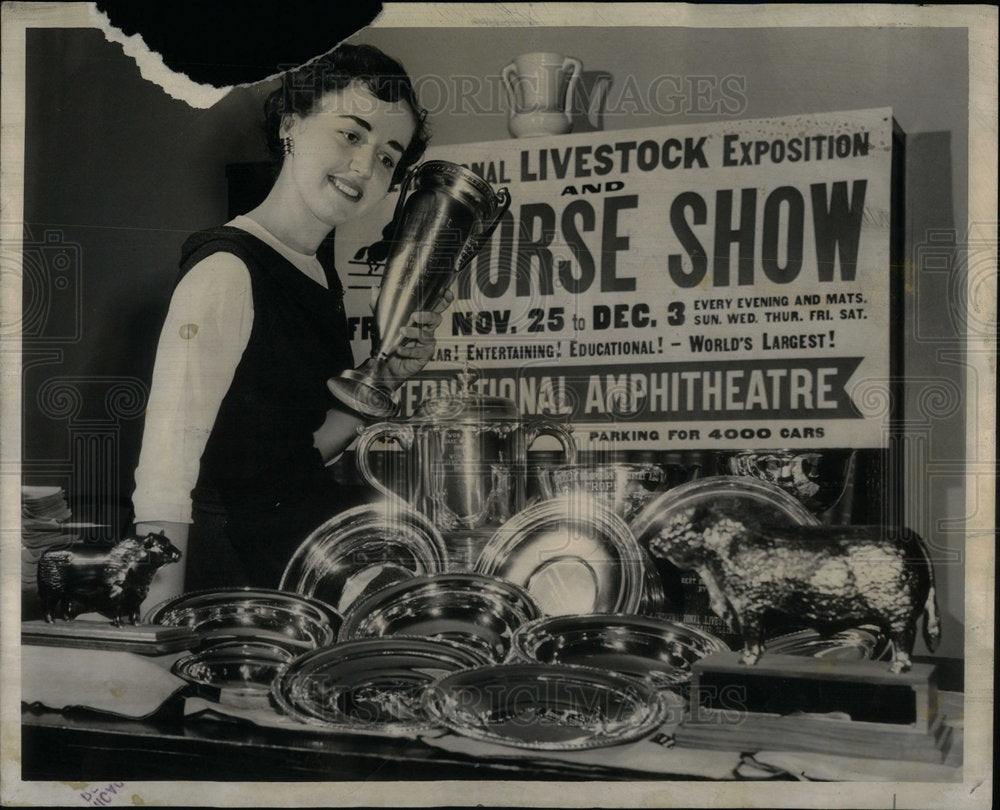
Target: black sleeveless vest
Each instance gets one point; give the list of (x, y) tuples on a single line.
[(260, 451)]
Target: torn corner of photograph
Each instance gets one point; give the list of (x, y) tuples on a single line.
[(153, 69)]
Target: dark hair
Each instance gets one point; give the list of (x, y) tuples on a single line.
[(302, 88)]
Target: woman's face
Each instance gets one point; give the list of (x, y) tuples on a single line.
[(345, 152)]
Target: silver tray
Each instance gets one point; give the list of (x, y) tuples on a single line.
[(852, 644), (572, 554), (295, 622), (549, 707), (477, 611), (756, 503), (369, 686), (656, 650), (362, 550), (234, 673)]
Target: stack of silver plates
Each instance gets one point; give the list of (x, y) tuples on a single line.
[(362, 550), (474, 610), (371, 686), (572, 554)]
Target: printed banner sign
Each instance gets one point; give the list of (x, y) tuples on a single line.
[(720, 285)]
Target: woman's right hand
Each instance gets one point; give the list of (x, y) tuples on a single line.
[(417, 348)]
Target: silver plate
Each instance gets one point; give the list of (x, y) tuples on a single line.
[(754, 502), (295, 622), (477, 611), (572, 554), (234, 673), (362, 550), (549, 707), (654, 597), (852, 644), (370, 686), (656, 650)]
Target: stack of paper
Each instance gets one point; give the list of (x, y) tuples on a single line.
[(44, 516)]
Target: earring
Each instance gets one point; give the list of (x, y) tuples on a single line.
[(287, 146)]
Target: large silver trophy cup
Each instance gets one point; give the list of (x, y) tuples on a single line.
[(440, 228)]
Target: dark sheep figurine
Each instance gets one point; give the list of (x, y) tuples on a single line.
[(823, 575), (112, 581)]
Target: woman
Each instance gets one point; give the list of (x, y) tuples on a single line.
[(240, 422)]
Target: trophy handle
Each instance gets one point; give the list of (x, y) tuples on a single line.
[(545, 483), (577, 67), (560, 432), (509, 73), (472, 248), (498, 502), (400, 433), (595, 110), (811, 465)]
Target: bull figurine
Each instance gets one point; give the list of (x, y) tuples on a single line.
[(112, 581), (825, 576)]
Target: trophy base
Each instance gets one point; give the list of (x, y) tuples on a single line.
[(466, 545), (822, 705), (363, 394)]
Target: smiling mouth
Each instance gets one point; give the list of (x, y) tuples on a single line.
[(350, 191)]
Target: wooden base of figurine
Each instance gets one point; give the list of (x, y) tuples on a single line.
[(797, 703), (145, 639)]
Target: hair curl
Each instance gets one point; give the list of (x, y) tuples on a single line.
[(301, 89)]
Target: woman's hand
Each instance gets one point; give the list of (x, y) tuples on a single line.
[(417, 348)]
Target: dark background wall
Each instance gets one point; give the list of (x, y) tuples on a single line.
[(118, 173)]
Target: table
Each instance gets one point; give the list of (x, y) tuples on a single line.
[(84, 746)]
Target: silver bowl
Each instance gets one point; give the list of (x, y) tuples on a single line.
[(362, 550), (549, 707), (477, 611), (234, 673), (371, 685), (297, 623), (655, 650), (572, 554)]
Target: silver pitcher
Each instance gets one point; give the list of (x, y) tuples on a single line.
[(466, 457), (440, 228)]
